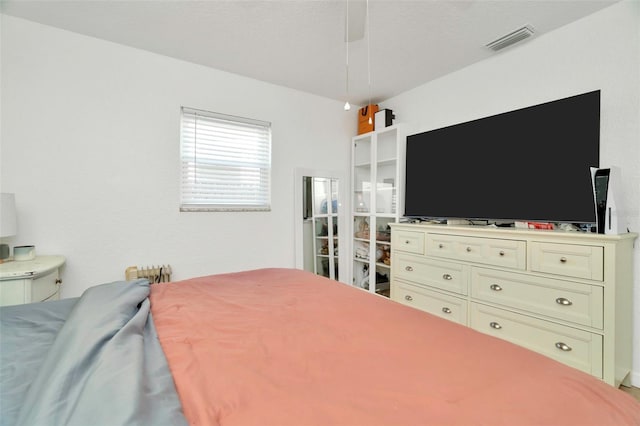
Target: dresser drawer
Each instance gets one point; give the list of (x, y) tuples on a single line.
[(409, 241), (45, 288), (564, 300), (568, 260), (490, 251), (27, 290), (434, 273), (577, 348), (439, 304)]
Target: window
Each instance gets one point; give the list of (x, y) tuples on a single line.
[(225, 162)]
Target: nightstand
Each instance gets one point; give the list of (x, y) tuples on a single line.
[(30, 281)]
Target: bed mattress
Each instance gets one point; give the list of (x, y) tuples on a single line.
[(286, 347)]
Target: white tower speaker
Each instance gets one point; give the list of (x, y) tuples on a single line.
[(607, 198)]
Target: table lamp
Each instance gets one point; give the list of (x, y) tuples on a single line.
[(8, 227)]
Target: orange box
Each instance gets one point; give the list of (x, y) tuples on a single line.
[(363, 118)]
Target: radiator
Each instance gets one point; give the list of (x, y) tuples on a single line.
[(155, 274)]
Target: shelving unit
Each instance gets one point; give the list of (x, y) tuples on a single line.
[(325, 227), (377, 190)]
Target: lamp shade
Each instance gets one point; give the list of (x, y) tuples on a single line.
[(8, 225)]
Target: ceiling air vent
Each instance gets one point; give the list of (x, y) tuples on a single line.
[(511, 38)]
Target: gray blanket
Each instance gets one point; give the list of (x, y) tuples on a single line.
[(94, 360)]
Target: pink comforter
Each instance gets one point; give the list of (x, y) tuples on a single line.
[(286, 347)]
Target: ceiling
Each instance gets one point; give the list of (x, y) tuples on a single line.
[(301, 43)]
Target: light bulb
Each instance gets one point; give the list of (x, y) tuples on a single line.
[(347, 107)]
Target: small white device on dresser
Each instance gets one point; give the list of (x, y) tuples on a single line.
[(30, 281)]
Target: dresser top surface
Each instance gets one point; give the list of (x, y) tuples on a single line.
[(512, 232), (30, 268)]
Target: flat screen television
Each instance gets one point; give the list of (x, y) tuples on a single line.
[(530, 164)]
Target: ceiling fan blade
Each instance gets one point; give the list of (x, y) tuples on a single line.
[(357, 20)]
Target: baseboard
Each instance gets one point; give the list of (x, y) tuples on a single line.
[(635, 379)]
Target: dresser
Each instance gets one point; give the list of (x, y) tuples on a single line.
[(567, 295), (30, 281)]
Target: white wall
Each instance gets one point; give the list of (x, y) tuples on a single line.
[(601, 51), (90, 142)]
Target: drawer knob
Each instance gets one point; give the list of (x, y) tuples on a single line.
[(447, 277), (408, 268), (495, 287), (563, 301), (468, 249), (501, 253), (563, 260), (407, 242), (446, 310), (563, 346), (440, 246), (496, 326), (407, 297)]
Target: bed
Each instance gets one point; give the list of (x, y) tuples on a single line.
[(276, 347)]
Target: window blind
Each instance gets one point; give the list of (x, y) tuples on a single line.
[(225, 162)]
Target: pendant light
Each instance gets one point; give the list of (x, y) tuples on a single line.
[(369, 61), (347, 106)]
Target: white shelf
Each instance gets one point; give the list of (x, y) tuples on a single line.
[(387, 162)]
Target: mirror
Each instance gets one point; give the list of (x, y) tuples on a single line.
[(319, 223)]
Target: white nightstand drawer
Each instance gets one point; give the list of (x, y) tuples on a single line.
[(439, 304), (409, 241), (45, 288), (434, 273), (577, 348), (569, 260), (489, 251), (564, 300)]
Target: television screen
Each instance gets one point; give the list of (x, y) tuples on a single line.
[(531, 164)]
